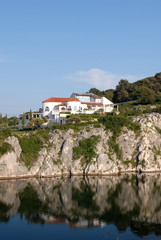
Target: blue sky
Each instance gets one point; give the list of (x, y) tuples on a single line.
[(55, 47)]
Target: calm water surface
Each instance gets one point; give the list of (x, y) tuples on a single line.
[(120, 207)]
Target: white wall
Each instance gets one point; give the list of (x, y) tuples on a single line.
[(51, 106), (74, 104), (106, 101)]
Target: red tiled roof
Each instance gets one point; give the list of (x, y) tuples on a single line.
[(73, 99), (56, 99), (92, 103), (59, 99)]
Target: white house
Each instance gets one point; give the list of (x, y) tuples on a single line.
[(57, 108)]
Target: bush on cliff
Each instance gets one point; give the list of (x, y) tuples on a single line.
[(86, 149), (4, 146), (116, 123), (31, 146)]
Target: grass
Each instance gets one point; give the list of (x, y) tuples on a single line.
[(5, 133), (76, 127), (4, 146), (31, 146)]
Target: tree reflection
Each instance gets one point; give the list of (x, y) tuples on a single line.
[(126, 201)]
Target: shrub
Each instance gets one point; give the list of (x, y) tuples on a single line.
[(115, 123), (31, 146), (5, 147), (86, 148)]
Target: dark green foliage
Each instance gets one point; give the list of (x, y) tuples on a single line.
[(146, 95), (121, 94), (4, 148), (13, 121), (23, 119), (116, 122), (107, 93), (1, 119), (31, 145), (30, 115), (86, 148), (146, 91)]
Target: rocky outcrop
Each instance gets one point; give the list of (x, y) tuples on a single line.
[(10, 165), (140, 152)]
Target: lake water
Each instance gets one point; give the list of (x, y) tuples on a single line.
[(113, 207)]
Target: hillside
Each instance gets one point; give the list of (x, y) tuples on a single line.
[(147, 90)]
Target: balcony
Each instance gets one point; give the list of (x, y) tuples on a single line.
[(57, 111)]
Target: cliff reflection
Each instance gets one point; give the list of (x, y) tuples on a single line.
[(125, 200)]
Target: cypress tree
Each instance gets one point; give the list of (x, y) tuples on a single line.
[(6, 120), (1, 119), (23, 119), (30, 115)]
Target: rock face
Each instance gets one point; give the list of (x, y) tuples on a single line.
[(10, 166), (140, 152)]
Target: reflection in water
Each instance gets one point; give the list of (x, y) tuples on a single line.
[(125, 200)]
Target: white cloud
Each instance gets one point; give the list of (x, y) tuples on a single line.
[(99, 78)]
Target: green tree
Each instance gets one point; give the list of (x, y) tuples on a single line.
[(146, 95), (1, 119), (5, 119), (15, 120), (109, 94), (122, 91), (30, 114), (23, 119), (95, 91)]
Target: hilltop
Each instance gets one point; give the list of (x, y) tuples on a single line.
[(145, 91)]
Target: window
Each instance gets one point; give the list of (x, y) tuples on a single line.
[(47, 109), (75, 108)]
